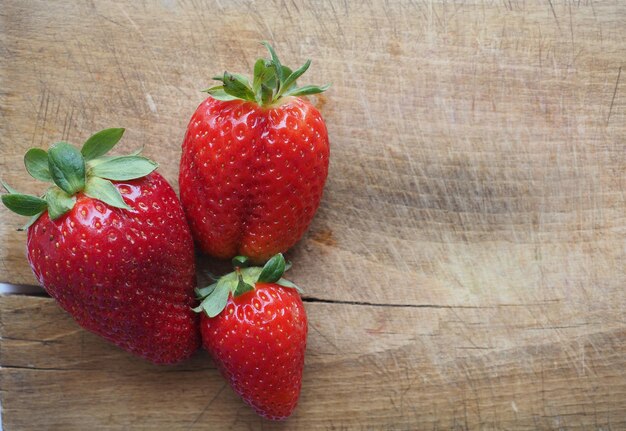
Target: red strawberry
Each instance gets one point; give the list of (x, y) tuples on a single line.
[(254, 326), (118, 256), (254, 163)]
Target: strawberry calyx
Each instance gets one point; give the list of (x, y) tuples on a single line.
[(242, 280), (271, 82), (72, 171)]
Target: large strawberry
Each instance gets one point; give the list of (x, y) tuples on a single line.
[(254, 326), (254, 163), (117, 255)]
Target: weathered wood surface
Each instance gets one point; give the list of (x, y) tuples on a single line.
[(367, 367), (477, 179)]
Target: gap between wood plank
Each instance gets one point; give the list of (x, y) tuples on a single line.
[(36, 291)]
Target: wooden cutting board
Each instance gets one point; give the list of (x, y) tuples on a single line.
[(466, 267)]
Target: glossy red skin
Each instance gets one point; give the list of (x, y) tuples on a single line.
[(125, 275), (251, 178), (258, 343)]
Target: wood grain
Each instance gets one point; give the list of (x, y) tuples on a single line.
[(475, 200), (413, 368)]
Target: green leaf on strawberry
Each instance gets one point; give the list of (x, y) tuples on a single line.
[(219, 93), (273, 269), (275, 61), (237, 87), (286, 283), (59, 202), (217, 299), (271, 81), (75, 171), (202, 292), (22, 204), (263, 71), (67, 167), (105, 191), (122, 168), (241, 281), (291, 79), (36, 162), (101, 143), (307, 90)]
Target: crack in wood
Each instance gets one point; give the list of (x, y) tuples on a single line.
[(313, 299), (18, 367), (619, 74)]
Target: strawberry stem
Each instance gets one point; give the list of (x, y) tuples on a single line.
[(74, 171), (271, 82), (243, 279)]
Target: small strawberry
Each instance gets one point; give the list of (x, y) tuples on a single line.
[(117, 255), (254, 163), (254, 326)]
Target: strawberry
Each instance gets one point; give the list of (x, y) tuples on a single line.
[(254, 326), (117, 255), (254, 163)]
